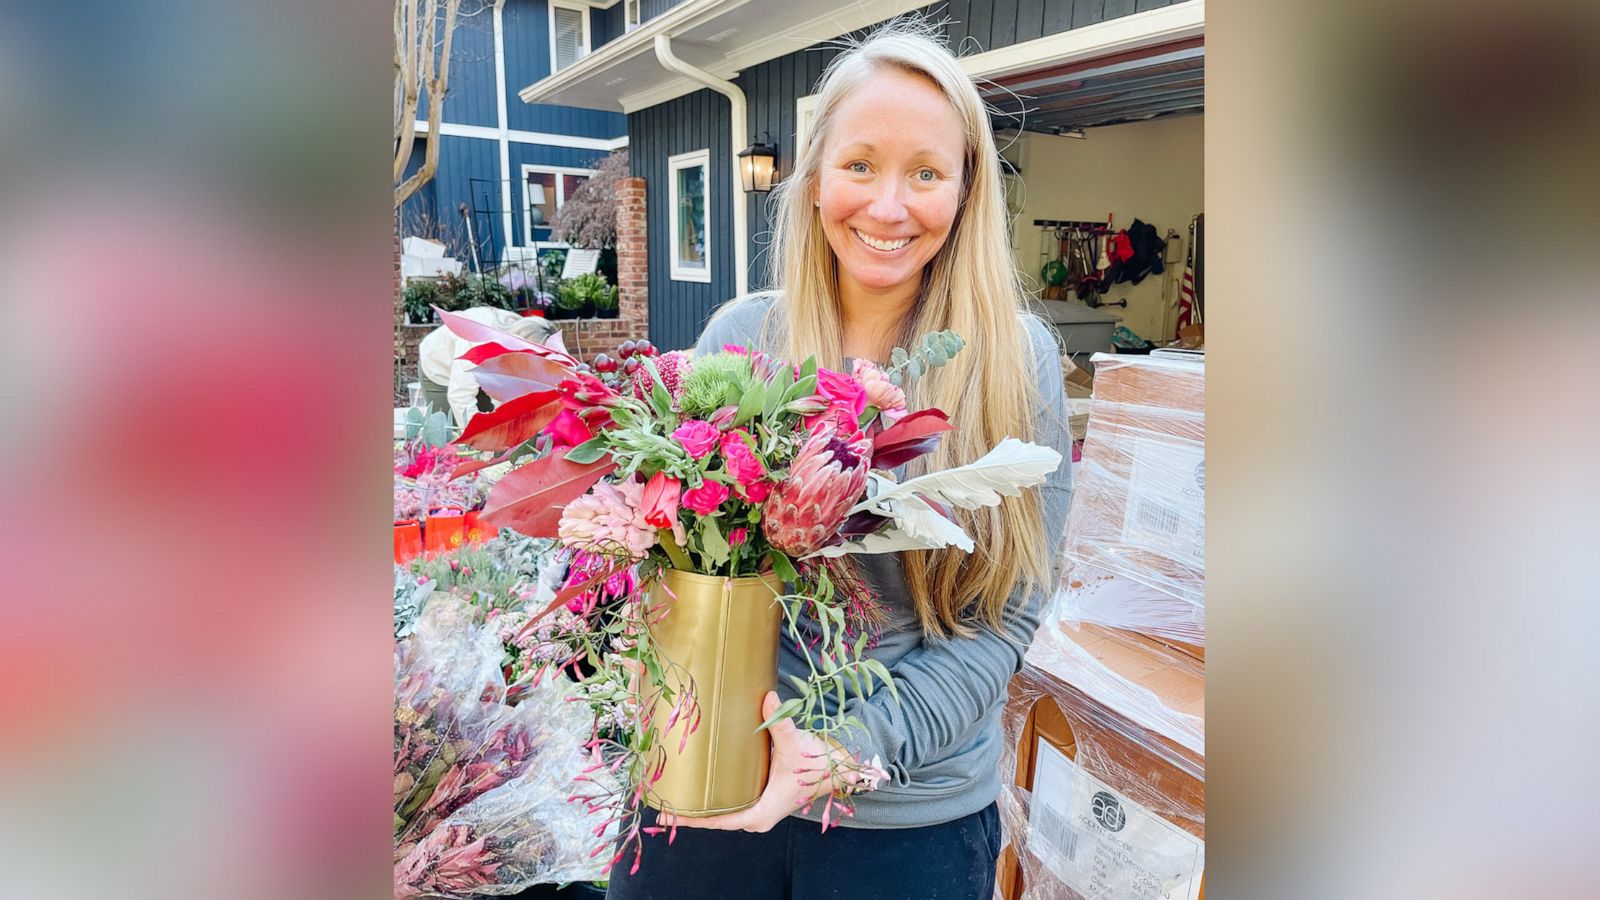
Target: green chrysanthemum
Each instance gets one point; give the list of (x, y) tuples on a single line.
[(715, 381)]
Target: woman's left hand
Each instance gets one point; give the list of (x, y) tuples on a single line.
[(798, 775)]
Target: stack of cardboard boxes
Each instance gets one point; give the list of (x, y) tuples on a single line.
[(1106, 722)]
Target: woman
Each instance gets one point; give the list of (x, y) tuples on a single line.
[(893, 225)]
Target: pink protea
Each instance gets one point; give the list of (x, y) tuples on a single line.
[(881, 392), (827, 477), (674, 367), (608, 518)]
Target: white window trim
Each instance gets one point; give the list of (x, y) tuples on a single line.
[(587, 30), (805, 109), (675, 164), (638, 9), (561, 198)]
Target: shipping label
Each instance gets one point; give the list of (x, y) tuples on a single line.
[(1166, 509), (1103, 845)]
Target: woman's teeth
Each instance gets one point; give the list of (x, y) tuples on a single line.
[(885, 246)]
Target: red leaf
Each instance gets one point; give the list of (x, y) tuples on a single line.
[(479, 333), (530, 498), (480, 353), (511, 375), (908, 438), (512, 422), (566, 594)]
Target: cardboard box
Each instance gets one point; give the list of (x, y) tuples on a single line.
[(1136, 535), (1107, 728)]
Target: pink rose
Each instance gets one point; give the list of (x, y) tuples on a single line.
[(742, 462), (697, 437), (660, 500), (755, 491), (843, 392), (568, 430), (737, 536), (706, 498)]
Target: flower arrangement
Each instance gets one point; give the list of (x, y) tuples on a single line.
[(735, 464)]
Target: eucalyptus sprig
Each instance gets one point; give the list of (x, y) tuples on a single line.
[(933, 351)]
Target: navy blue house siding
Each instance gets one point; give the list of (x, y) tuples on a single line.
[(528, 60), (698, 121)]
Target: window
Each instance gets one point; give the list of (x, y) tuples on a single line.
[(569, 34), (688, 181), (630, 14), (805, 109), (545, 189)]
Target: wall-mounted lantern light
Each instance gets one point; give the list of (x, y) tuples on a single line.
[(758, 167)]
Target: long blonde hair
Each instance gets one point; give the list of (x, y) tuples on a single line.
[(970, 287)]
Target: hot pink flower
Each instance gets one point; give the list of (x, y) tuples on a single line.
[(737, 536), (844, 393), (827, 477), (660, 500), (742, 462), (881, 392), (697, 437), (568, 430), (706, 498), (755, 491)]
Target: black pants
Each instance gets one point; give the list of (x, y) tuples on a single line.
[(795, 861)]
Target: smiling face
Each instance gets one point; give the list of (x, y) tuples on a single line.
[(890, 181)]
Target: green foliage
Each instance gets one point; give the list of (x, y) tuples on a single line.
[(720, 379), (933, 351), (419, 298)]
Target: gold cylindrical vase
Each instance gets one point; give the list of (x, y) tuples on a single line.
[(721, 633)]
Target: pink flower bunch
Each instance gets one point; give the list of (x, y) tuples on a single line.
[(612, 517), (748, 471)]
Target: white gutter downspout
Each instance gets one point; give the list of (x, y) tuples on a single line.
[(741, 249)]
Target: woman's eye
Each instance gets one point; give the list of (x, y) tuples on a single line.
[(926, 175), (860, 168)]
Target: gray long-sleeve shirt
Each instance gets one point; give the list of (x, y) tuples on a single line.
[(941, 741)]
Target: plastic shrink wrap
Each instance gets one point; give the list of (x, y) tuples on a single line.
[(1135, 545), (481, 788), (1105, 738)]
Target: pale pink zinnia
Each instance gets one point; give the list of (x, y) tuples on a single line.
[(608, 518), (881, 392), (827, 477)]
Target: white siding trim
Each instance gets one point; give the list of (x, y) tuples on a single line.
[(527, 137), (1157, 26), (675, 164), (502, 119)]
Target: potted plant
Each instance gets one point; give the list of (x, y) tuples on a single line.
[(607, 303), (420, 297), (569, 303), (593, 294)]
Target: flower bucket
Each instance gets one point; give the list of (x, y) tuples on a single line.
[(407, 541), (475, 532), (445, 531), (723, 633)]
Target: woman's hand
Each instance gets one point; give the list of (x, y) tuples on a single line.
[(798, 775)]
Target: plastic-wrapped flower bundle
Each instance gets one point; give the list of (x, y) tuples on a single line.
[(481, 788)]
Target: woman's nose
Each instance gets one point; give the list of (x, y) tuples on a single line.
[(887, 203)]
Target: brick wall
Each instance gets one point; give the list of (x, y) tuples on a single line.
[(633, 258)]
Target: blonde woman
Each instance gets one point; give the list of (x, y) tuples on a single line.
[(893, 225)]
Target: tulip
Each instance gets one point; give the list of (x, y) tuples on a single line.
[(660, 500)]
